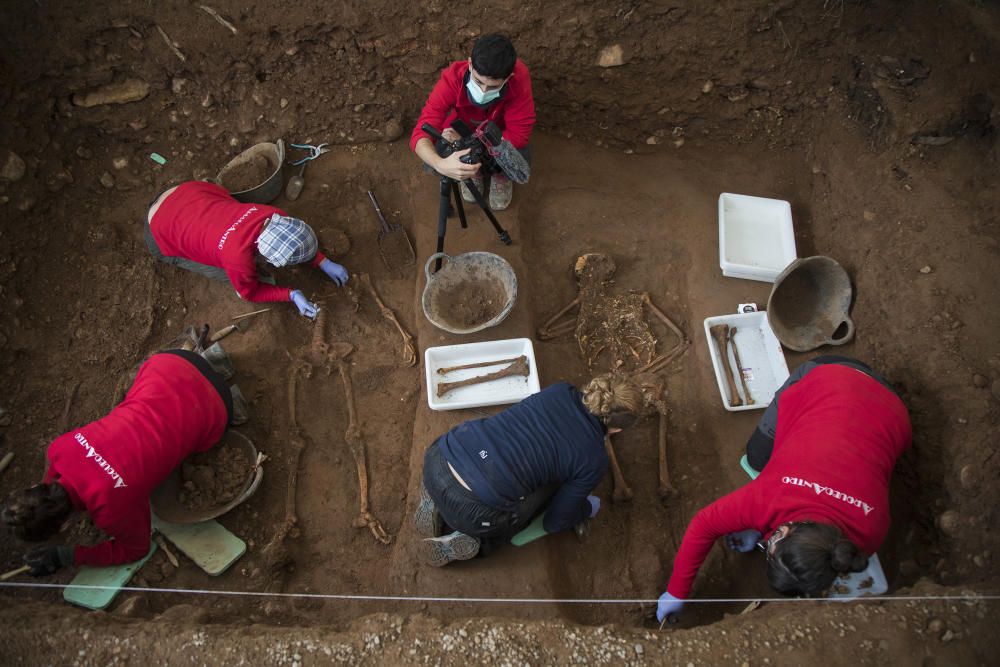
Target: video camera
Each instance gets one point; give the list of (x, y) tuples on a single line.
[(487, 148)]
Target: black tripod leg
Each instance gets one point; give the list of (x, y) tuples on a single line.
[(444, 198), (501, 232), (458, 205)]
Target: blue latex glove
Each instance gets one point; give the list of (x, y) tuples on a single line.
[(744, 541), (305, 306), (595, 505), (668, 605), (334, 271)]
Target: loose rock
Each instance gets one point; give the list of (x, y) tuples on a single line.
[(980, 380), (107, 180), (949, 522), (177, 85), (926, 269), (393, 130), (130, 90), (119, 163), (611, 56), (13, 166)]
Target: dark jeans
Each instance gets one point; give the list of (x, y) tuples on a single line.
[(463, 511), (761, 443)]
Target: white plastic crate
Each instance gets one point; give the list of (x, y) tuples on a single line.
[(756, 237), (763, 361), (497, 392)]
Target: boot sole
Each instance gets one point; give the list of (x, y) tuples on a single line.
[(439, 551), (426, 519)]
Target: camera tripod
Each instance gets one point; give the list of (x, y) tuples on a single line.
[(449, 190)]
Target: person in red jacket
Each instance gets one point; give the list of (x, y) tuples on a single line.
[(178, 405), (493, 85), (825, 449), (198, 226)]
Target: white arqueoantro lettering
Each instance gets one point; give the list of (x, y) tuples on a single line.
[(232, 227), (100, 460), (833, 493)]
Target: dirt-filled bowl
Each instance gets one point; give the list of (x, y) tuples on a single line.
[(209, 484), (471, 292), (255, 176)]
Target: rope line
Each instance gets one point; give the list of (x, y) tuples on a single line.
[(486, 600)]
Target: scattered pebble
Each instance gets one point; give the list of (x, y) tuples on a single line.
[(707, 87), (926, 269), (13, 166), (653, 140), (980, 380), (107, 180)]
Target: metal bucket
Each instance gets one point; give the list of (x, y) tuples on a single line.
[(809, 304), (168, 507), (269, 190), (459, 270)]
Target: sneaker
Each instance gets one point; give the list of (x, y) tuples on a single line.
[(241, 411), (501, 192), (427, 519), (439, 551), (467, 193)]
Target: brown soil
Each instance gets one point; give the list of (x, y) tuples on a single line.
[(214, 478), (470, 303), (248, 175), (890, 170), (396, 250)]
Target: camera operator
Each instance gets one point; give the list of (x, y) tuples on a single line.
[(491, 85)]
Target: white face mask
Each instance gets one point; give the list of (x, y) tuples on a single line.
[(480, 97)]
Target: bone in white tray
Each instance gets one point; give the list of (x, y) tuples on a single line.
[(498, 392)]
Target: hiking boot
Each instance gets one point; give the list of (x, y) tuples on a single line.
[(427, 519), (439, 551), (467, 193), (241, 410), (501, 191)]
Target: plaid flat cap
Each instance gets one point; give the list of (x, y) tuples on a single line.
[(286, 241)]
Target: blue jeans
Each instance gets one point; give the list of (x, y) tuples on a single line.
[(463, 511), (761, 443)]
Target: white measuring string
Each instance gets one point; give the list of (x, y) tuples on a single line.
[(487, 600)]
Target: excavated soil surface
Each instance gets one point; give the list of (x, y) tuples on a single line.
[(876, 121)]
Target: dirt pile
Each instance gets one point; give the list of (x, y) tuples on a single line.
[(248, 174), (214, 478), (471, 302)]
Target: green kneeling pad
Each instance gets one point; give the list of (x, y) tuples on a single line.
[(207, 543), (531, 533), (97, 587)]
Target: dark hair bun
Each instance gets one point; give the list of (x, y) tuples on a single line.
[(845, 557)]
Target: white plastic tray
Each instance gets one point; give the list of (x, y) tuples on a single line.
[(756, 237), (849, 586), (498, 392), (763, 361)]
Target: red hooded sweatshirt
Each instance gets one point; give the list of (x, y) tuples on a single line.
[(513, 112), (838, 437), (111, 466), (200, 221)]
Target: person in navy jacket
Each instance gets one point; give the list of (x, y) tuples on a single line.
[(486, 479)]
